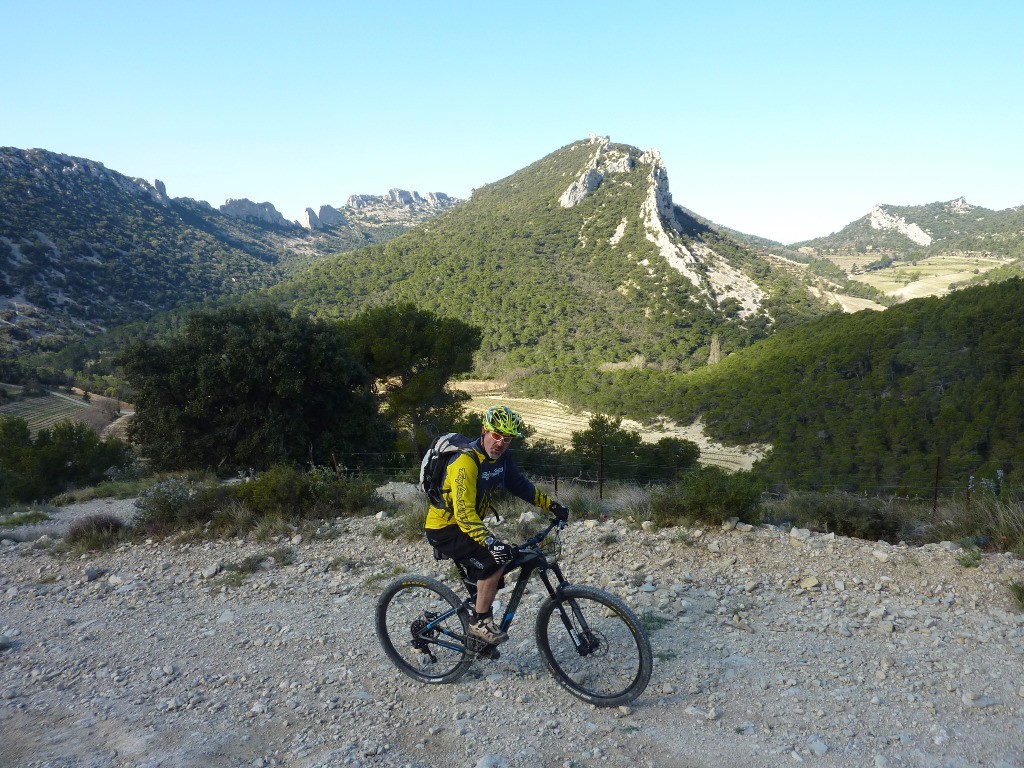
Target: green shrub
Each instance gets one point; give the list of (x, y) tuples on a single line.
[(270, 526), (992, 522), (855, 516), (389, 531), (60, 457), (232, 518), (709, 495), (288, 492), (970, 557), (652, 621), (1017, 590), (95, 532), (165, 506), (281, 490), (12, 517), (584, 502), (265, 506), (344, 496), (234, 574)]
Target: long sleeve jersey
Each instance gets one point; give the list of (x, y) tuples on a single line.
[(470, 482)]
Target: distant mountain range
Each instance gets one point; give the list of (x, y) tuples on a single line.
[(912, 251), (84, 248), (591, 285), (590, 227)]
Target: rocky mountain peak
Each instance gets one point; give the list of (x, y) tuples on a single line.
[(699, 263), (246, 209), (960, 205)]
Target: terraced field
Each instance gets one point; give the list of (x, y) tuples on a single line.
[(555, 422), (549, 419), (927, 277), (45, 411)]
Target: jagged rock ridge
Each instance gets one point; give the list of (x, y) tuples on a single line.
[(699, 263), (398, 206)]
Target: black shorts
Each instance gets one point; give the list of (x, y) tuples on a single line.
[(452, 542)]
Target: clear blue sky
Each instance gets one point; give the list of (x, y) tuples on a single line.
[(782, 119)]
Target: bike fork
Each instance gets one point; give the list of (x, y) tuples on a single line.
[(572, 618)]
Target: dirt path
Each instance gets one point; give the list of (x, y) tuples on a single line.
[(772, 648)]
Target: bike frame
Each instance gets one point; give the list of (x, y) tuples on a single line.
[(529, 560)]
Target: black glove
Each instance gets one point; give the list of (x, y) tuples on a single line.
[(500, 551), (559, 511)]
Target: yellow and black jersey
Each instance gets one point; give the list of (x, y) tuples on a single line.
[(470, 482)]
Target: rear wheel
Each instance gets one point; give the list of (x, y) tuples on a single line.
[(595, 646), (422, 629)]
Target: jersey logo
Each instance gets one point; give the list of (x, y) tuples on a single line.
[(487, 474)]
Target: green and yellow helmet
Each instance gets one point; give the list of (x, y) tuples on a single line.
[(504, 421)]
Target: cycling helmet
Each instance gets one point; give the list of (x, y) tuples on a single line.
[(504, 421)]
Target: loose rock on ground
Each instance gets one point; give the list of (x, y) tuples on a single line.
[(773, 647)]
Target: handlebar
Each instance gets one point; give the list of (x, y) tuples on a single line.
[(536, 539)]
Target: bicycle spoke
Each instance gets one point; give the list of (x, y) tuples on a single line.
[(421, 631), (606, 658)]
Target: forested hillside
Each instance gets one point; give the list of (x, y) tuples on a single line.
[(941, 227), (84, 248), (554, 285), (880, 401), (590, 286)]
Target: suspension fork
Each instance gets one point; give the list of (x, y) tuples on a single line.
[(575, 623)]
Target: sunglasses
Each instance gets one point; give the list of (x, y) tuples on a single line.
[(500, 438)]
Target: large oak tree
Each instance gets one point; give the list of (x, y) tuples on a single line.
[(250, 386), (412, 354)]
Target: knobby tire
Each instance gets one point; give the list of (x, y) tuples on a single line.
[(618, 669), (406, 606)]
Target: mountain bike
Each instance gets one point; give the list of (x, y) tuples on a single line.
[(592, 643)]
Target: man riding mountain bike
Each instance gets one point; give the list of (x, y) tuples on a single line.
[(458, 531)]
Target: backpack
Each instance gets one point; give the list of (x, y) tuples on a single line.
[(435, 462)]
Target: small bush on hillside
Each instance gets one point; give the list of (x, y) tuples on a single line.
[(631, 501), (232, 518), (95, 532), (234, 574), (584, 501), (1017, 590), (343, 497), (413, 517), (993, 522), (709, 495), (281, 490), (165, 506), (855, 516), (266, 505), (970, 557), (12, 517)]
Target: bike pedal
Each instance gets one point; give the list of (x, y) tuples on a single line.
[(483, 650)]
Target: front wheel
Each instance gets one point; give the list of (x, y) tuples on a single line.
[(594, 645), (422, 628)]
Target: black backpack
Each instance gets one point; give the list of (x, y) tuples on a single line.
[(435, 462)]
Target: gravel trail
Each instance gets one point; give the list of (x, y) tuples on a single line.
[(772, 647)]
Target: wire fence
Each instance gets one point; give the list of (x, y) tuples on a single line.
[(612, 464)]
